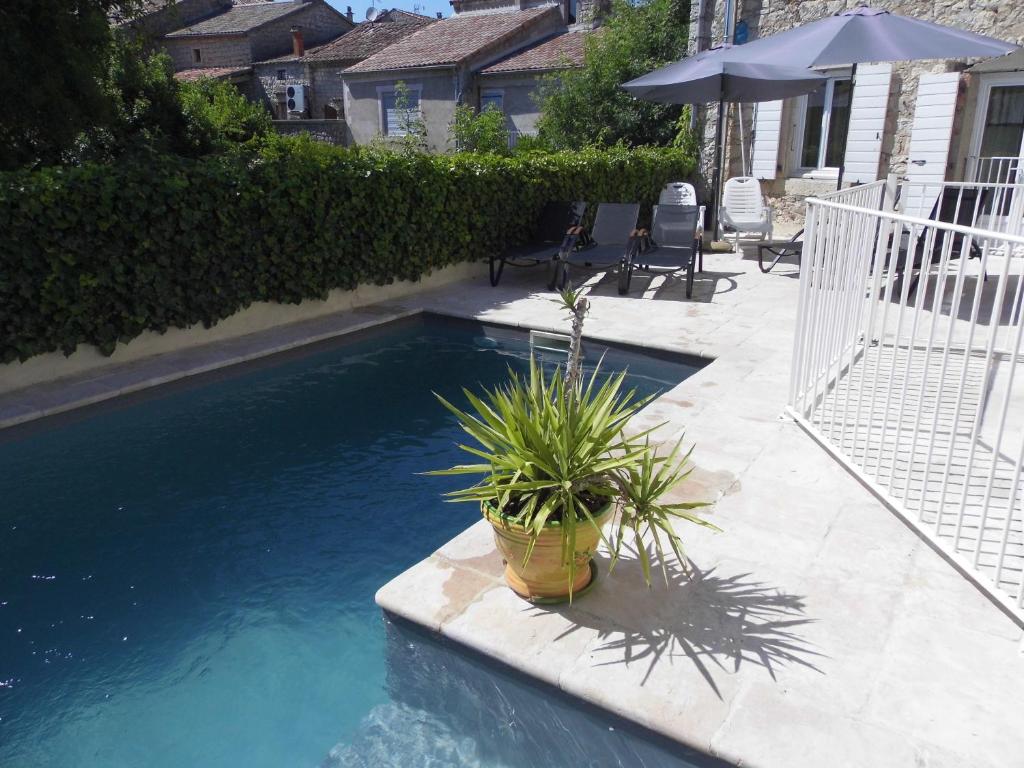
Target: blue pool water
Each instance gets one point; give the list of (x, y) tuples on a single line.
[(187, 577)]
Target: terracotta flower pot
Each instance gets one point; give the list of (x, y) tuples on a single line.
[(545, 577)]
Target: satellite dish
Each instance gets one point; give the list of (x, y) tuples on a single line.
[(372, 13)]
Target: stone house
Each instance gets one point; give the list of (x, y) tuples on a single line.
[(511, 84), (490, 52), (927, 121), (248, 32), (319, 69), (155, 18), (438, 64)]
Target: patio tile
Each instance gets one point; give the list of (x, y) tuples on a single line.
[(924, 660), (433, 591)]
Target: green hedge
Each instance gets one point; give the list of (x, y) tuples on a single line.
[(98, 254)]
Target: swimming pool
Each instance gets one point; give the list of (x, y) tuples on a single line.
[(187, 576)]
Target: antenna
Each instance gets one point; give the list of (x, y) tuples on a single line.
[(372, 13)]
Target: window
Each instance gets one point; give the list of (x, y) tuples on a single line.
[(392, 121), (282, 74), (823, 122), (197, 56), (492, 100), (1003, 132)]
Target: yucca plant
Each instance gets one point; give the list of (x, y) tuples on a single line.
[(554, 452)]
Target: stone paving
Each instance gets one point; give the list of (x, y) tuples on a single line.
[(816, 629)]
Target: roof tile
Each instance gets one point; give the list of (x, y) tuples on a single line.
[(363, 41), (560, 52), (189, 75), (240, 19), (450, 41)]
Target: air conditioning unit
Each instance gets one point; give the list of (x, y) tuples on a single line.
[(295, 98)]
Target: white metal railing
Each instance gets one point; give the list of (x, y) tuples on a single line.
[(995, 170), (877, 194), (908, 367), (996, 207)]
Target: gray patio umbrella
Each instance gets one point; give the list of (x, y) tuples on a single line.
[(713, 75), (868, 34)]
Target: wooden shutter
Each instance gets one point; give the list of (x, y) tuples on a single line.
[(767, 128), (929, 140), (867, 123)]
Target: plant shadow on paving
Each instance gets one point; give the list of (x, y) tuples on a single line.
[(718, 621)]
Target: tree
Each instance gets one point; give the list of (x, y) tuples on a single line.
[(587, 105), (413, 131), (53, 55), (479, 132), (218, 118)]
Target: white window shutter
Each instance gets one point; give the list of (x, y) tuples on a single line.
[(930, 135), (767, 128), (867, 123)]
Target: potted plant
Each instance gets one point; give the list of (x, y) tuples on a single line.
[(557, 464)]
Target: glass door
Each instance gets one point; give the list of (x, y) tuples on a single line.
[(1000, 136)]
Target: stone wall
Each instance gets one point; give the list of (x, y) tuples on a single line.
[(327, 87), (328, 131), (215, 51), (272, 88), (319, 23)]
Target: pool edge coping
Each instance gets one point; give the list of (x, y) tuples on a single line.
[(385, 312)]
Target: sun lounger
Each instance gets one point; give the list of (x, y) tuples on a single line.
[(609, 243), (672, 245), (556, 231)]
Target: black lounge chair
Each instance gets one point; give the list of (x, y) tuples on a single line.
[(780, 249), (672, 245), (953, 206), (612, 241), (557, 230)]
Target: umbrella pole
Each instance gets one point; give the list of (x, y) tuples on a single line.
[(842, 165), (719, 162)]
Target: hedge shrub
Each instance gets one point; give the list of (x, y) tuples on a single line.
[(97, 254)]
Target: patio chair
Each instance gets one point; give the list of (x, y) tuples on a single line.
[(953, 206), (744, 209), (672, 245), (556, 231), (611, 242), (778, 249), (681, 193)]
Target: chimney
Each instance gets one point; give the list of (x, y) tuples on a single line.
[(298, 49), (348, 13)]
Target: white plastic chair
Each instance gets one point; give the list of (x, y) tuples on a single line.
[(682, 193), (745, 209)]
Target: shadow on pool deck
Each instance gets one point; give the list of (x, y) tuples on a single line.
[(706, 616)]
